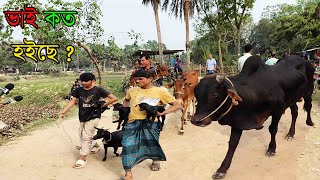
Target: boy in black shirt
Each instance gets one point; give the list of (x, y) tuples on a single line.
[(89, 113)]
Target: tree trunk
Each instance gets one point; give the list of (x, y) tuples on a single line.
[(238, 41), (78, 63), (64, 68), (186, 16), (95, 62), (156, 15), (220, 54)]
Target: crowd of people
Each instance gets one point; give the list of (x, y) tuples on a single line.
[(140, 141)]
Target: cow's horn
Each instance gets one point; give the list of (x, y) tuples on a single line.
[(220, 78), (232, 91)]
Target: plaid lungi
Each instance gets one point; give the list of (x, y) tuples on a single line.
[(140, 142)]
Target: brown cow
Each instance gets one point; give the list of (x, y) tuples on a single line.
[(183, 88)]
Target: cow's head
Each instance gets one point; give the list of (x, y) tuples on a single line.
[(211, 92), (163, 70), (190, 77), (101, 133), (117, 107)]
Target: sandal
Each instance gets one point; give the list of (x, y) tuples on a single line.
[(95, 150), (155, 166), (79, 164)]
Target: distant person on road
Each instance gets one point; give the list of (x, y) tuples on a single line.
[(211, 65)]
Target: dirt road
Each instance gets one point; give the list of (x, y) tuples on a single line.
[(48, 154)]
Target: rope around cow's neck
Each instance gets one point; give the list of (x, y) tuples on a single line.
[(214, 111), (178, 92)]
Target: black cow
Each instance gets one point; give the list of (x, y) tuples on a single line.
[(109, 140), (246, 100), (152, 113), (123, 114)]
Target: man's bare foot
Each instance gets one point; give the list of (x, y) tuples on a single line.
[(127, 176)]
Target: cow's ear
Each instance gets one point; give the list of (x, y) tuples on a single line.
[(235, 97), (168, 86)]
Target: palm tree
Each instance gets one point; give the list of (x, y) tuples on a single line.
[(185, 8), (155, 4)]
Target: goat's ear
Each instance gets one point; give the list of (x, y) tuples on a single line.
[(96, 128)]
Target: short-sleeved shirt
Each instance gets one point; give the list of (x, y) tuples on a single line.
[(179, 63), (172, 61), (136, 95), (242, 60), (87, 99), (272, 61), (211, 64)]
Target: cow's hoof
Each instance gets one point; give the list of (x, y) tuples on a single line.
[(104, 159), (218, 175), (117, 155), (289, 137), (181, 132), (309, 123), (270, 154)]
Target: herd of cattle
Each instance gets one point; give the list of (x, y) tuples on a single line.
[(244, 101)]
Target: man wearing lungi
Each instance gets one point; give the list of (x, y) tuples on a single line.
[(140, 140)]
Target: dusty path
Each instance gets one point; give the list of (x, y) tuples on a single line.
[(49, 154)]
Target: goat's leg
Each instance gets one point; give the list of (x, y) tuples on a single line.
[(294, 114), (233, 143), (115, 149), (105, 153), (159, 123), (163, 118), (273, 129), (119, 124)]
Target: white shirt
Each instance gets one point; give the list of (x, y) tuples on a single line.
[(272, 61), (242, 60), (211, 64)]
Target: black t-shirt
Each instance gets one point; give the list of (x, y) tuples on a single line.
[(87, 99)]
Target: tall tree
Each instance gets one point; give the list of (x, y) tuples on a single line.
[(236, 12), (153, 45), (155, 4), (186, 9)]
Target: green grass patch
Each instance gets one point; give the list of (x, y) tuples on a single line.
[(42, 101)]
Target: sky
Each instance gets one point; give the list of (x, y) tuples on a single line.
[(122, 16)]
